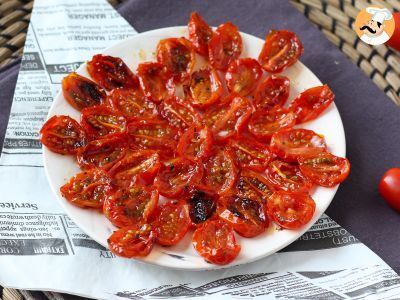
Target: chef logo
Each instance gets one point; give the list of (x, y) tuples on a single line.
[(374, 25)]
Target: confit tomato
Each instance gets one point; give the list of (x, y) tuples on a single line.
[(195, 143), (287, 177), (215, 241), (131, 206), (204, 89), (263, 123), (389, 187), (176, 174), (132, 104), (156, 81), (172, 221), (102, 153), (111, 72), (253, 186), (102, 122), (62, 134), (220, 171), (228, 118), (199, 33), (281, 49), (311, 103), (290, 144), (272, 92), (290, 210), (224, 46), (87, 189), (136, 166), (202, 205), (246, 216), (243, 75), (132, 241), (177, 55), (250, 153), (325, 169), (81, 92)]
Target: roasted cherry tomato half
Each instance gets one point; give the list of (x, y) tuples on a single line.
[(205, 88), (111, 72), (290, 144), (243, 75), (87, 189), (287, 177), (263, 123), (132, 104), (155, 135), (220, 171), (102, 122), (250, 153), (172, 221), (156, 81), (130, 206), (102, 153), (62, 134), (81, 92), (215, 241), (177, 55), (272, 92), (176, 174), (179, 113), (136, 166), (290, 210), (246, 216), (253, 185), (132, 241), (224, 46), (389, 187), (311, 103), (196, 143), (227, 120), (202, 205), (281, 49), (325, 168), (199, 33)]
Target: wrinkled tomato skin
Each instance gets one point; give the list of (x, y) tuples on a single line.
[(290, 144), (132, 241), (215, 241), (177, 55), (202, 204), (87, 189), (156, 81), (172, 221), (81, 92), (130, 206), (205, 88), (111, 72), (246, 216), (102, 153), (199, 33), (389, 187), (63, 135), (311, 103), (272, 92), (325, 169), (281, 49), (243, 76), (253, 185), (286, 176), (195, 143), (290, 210), (225, 46)]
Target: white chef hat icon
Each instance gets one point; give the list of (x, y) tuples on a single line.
[(379, 14)]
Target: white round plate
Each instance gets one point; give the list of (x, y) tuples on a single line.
[(141, 48)]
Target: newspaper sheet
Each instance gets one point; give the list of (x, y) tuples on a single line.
[(41, 248)]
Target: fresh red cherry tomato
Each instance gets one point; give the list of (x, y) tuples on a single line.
[(179, 113), (272, 92), (199, 33), (311, 103), (243, 75), (281, 49), (62, 134), (215, 241), (389, 187), (196, 143)]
